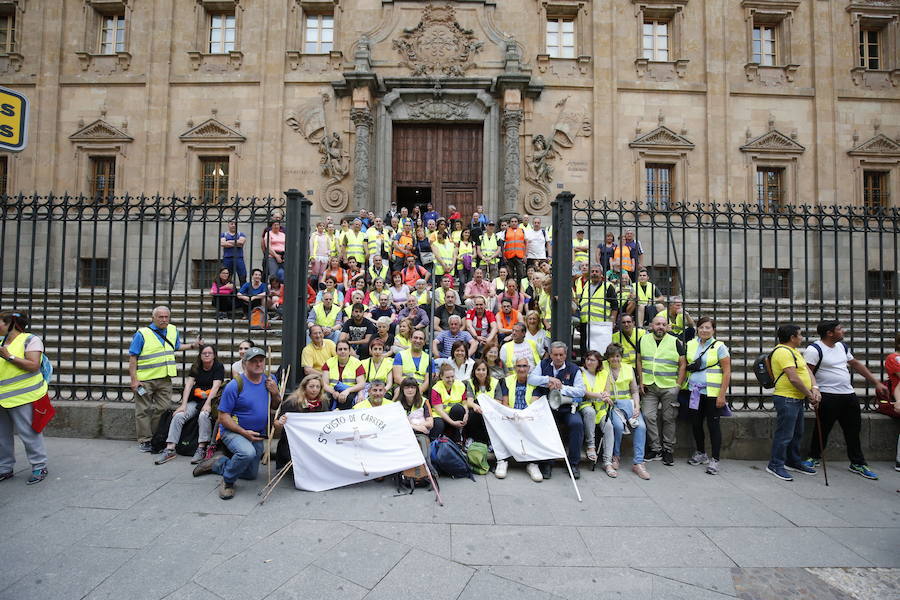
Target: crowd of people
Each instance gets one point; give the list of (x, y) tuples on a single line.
[(443, 314)]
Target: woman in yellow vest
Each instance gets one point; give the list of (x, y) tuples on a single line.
[(709, 365), (481, 387), (378, 367), (444, 255), (627, 412), (594, 409), (344, 376), (401, 336), (23, 394), (465, 258), (456, 234), (448, 405)]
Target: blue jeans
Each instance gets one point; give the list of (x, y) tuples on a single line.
[(575, 431), (638, 436), (244, 462), (788, 432), (237, 267)]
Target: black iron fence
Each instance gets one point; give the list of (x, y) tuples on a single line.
[(90, 272)]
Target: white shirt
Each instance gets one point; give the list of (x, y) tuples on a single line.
[(541, 338), (833, 376), (536, 244)]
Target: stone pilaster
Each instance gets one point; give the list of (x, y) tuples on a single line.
[(362, 121), (512, 170)]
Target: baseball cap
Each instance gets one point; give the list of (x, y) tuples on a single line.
[(253, 353)]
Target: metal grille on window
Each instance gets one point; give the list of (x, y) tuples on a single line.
[(221, 33), (764, 45), (95, 272), (881, 285), (103, 178), (203, 272), (869, 49), (561, 38), (213, 180), (7, 34), (769, 192), (666, 279), (319, 35), (875, 189), (656, 40), (775, 283), (659, 186), (112, 34)]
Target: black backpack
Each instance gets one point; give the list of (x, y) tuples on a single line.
[(448, 458), (762, 368), (158, 441), (190, 434)]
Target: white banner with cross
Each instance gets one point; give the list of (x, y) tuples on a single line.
[(338, 448), (527, 435)]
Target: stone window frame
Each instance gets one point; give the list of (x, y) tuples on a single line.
[(204, 10), (15, 9), (95, 11), (788, 164), (99, 139), (777, 13), (885, 176), (578, 11), (763, 203), (879, 153), (210, 138), (671, 11), (662, 146), (95, 159), (299, 10), (885, 19)]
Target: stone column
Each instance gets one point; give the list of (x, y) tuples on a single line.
[(512, 170), (362, 121)]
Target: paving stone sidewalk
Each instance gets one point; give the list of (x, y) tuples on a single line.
[(109, 524)]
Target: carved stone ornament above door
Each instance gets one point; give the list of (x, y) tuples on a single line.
[(438, 45)]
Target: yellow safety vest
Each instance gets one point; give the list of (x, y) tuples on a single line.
[(511, 391), (645, 293), (629, 345), (424, 299), (440, 297), (677, 324), (456, 394), (511, 357), (333, 248), (489, 245), (456, 236), (380, 373), (582, 252), (348, 375), (545, 303), (409, 367), (375, 241), (465, 248), (493, 382), (366, 404), (444, 252), (326, 320), (713, 370), (382, 274), (317, 241), (622, 386), (356, 245), (157, 358), (659, 362), (593, 308), (18, 386), (598, 387)]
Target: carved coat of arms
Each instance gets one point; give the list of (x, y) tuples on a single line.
[(438, 45)]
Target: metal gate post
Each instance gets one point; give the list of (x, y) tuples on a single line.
[(561, 326), (296, 275)]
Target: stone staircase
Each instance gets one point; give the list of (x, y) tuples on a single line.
[(87, 336)]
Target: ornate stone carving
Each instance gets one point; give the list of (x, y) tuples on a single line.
[(335, 163), (212, 130), (880, 145), (773, 141), (100, 131), (662, 138), (438, 109), (438, 45), (362, 120), (309, 120), (512, 120), (539, 170)]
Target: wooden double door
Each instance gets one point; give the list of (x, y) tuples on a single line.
[(438, 163)]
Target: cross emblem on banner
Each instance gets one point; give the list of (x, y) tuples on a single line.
[(517, 419), (355, 439)]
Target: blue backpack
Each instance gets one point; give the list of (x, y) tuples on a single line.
[(449, 459)]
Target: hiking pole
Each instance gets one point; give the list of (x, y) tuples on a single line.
[(821, 443), (278, 477)]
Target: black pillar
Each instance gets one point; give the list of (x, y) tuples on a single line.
[(296, 275), (561, 327)]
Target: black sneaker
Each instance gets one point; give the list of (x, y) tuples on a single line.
[(145, 447), (9, 475), (667, 458), (576, 473), (546, 469), (652, 455)]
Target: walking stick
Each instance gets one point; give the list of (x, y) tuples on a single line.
[(274, 483), (821, 443)]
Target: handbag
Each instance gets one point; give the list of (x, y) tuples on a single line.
[(427, 258), (42, 412)]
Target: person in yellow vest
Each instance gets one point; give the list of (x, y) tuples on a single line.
[(581, 252), (377, 241), (480, 387), (151, 367), (448, 405), (378, 270), (678, 322), (444, 255), (518, 347), (414, 362), (594, 409), (21, 385), (343, 377), (375, 396), (628, 336), (377, 366), (329, 316), (661, 368), (355, 243), (709, 368), (334, 249), (465, 259), (623, 386), (516, 392), (649, 299), (597, 303), (489, 251)]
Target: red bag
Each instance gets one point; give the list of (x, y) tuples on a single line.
[(42, 412)]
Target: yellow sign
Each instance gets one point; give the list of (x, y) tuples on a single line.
[(13, 120)]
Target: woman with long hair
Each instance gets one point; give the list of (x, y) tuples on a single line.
[(534, 331), (223, 292), (402, 335), (479, 388), (448, 402), (465, 259), (627, 409), (594, 410), (308, 397), (419, 414), (335, 270), (201, 387), (330, 284), (399, 291), (499, 282), (273, 242), (22, 385), (492, 358)]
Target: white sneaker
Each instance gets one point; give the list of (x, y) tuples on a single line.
[(698, 458), (535, 472), (500, 471)]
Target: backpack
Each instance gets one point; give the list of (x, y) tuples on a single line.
[(449, 459), (190, 434), (821, 356), (762, 368), (158, 441), (477, 455), (46, 365), (412, 478)]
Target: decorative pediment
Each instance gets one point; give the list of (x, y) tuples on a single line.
[(773, 141), (662, 138), (212, 130), (438, 45), (100, 131), (880, 145)]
